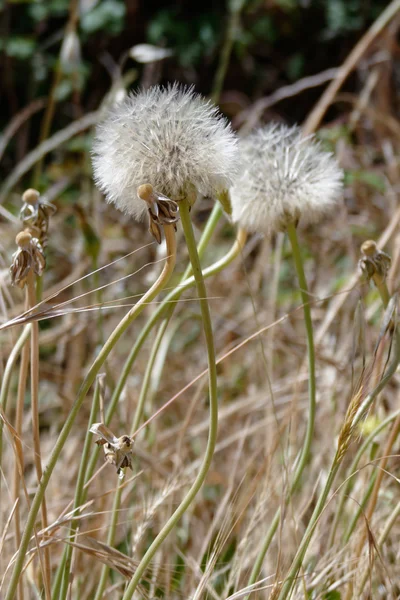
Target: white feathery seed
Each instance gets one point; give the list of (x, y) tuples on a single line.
[(171, 138), (284, 177)]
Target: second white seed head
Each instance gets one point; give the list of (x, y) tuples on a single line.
[(284, 177)]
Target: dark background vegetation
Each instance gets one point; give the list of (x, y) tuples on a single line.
[(276, 42)]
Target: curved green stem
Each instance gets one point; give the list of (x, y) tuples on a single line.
[(166, 311), (305, 451), (169, 301), (88, 381), (213, 399)]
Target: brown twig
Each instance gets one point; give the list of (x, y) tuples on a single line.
[(347, 67)]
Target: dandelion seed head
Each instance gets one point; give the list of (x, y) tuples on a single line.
[(170, 138), (284, 177)]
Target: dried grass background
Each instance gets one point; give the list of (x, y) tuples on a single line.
[(262, 384)]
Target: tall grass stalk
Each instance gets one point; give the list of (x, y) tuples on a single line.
[(379, 280), (34, 373), (306, 448), (213, 400), (351, 472), (86, 384), (340, 454)]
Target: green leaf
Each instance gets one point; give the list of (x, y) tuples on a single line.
[(20, 47), (107, 15)]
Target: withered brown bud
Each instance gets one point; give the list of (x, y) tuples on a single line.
[(29, 256), (117, 451), (374, 263)]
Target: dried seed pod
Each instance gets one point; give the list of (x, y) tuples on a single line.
[(29, 256), (35, 214), (117, 451), (161, 209)]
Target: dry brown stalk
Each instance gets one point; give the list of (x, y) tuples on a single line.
[(31, 300)]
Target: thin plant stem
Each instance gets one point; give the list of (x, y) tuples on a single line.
[(340, 454), (213, 400), (360, 509), (235, 7), (86, 384), (61, 583), (306, 448), (23, 375), (51, 101), (31, 296)]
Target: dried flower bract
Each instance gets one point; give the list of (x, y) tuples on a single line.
[(29, 256), (169, 137), (161, 209), (284, 177), (117, 451)]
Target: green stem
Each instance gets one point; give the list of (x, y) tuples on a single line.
[(88, 381), (305, 451), (360, 509), (169, 301), (213, 399), (167, 310), (60, 587)]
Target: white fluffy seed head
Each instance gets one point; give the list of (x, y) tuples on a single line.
[(284, 177), (170, 138)]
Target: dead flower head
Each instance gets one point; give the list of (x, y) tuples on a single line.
[(117, 451), (161, 209), (374, 262), (35, 214), (172, 138), (29, 256)]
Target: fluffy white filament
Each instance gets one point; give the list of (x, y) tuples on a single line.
[(284, 177), (170, 138)]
